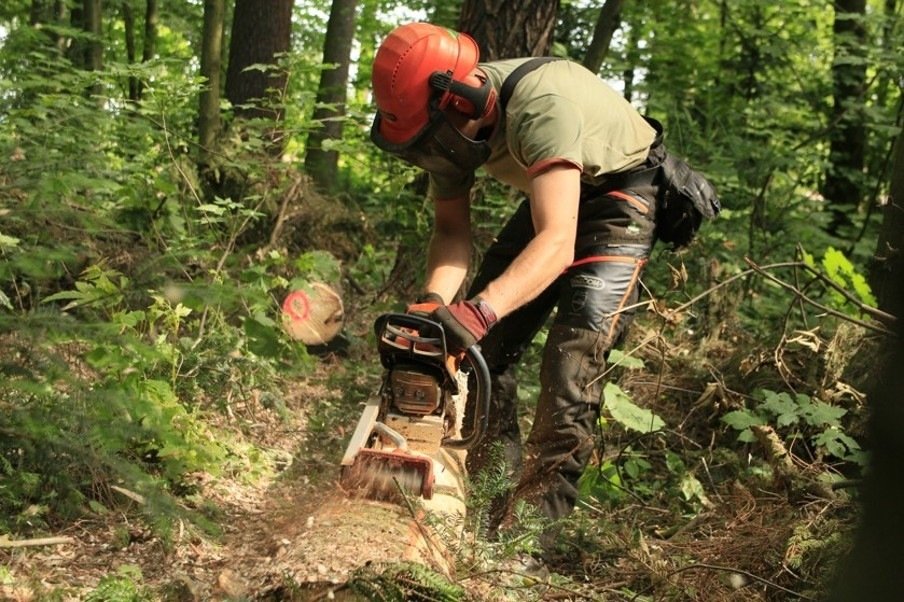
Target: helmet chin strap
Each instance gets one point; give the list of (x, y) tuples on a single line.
[(480, 98)]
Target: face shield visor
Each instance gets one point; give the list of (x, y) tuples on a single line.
[(438, 147)]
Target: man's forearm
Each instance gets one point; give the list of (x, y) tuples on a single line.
[(447, 264), (536, 267)]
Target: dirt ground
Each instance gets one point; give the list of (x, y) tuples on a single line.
[(294, 536)]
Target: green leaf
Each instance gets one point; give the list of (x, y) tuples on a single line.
[(619, 358), (841, 271), (8, 242), (211, 208), (624, 411), (742, 419), (692, 489), (64, 295), (782, 406), (820, 413), (746, 436), (130, 319), (836, 443)]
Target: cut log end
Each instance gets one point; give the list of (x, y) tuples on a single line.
[(313, 315)]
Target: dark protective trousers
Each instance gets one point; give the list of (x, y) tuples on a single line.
[(593, 302)]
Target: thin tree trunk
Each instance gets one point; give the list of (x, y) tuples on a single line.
[(211, 53), (94, 58), (632, 56), (606, 24), (320, 163), (149, 45), (91, 55), (51, 12), (847, 145), (128, 20)]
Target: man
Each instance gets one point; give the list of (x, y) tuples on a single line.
[(585, 159)]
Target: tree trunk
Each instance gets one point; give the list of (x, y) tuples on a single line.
[(128, 21), (320, 163), (847, 137), (887, 270), (873, 570), (149, 47), (606, 24), (260, 31), (49, 12), (94, 57), (211, 52), (510, 28), (86, 15), (632, 58)]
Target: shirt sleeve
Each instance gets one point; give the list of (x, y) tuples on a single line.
[(546, 131)]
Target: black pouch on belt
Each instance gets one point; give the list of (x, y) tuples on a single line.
[(686, 198)]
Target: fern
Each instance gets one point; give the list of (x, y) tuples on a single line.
[(120, 587), (404, 582)]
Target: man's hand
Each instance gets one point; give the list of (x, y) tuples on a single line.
[(425, 304), (465, 323)]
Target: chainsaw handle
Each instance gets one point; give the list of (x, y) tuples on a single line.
[(482, 402), (410, 329)]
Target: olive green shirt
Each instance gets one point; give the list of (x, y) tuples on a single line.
[(558, 113)]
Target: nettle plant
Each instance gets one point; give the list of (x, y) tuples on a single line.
[(798, 416)]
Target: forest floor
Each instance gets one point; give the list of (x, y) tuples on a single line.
[(741, 537)]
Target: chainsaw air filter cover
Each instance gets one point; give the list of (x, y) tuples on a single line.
[(415, 391)]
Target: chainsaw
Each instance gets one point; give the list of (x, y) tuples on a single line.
[(420, 409)]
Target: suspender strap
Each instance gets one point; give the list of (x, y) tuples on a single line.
[(508, 86)]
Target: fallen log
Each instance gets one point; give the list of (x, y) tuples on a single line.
[(347, 535)]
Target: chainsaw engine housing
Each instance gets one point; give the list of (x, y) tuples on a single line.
[(414, 390)]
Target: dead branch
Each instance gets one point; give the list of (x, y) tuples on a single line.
[(29, 543), (886, 319), (883, 317)]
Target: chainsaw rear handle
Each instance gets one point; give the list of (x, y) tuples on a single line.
[(421, 339)]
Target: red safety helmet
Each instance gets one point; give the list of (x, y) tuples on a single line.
[(418, 69)]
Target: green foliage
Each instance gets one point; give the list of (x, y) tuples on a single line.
[(625, 412), (798, 415), (402, 582), (646, 474), (139, 293), (130, 309), (122, 586), (840, 270), (485, 487), (634, 471)]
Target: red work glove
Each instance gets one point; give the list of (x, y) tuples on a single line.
[(465, 322), (425, 305)]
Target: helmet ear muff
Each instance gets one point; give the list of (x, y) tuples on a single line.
[(463, 106), (473, 102)]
